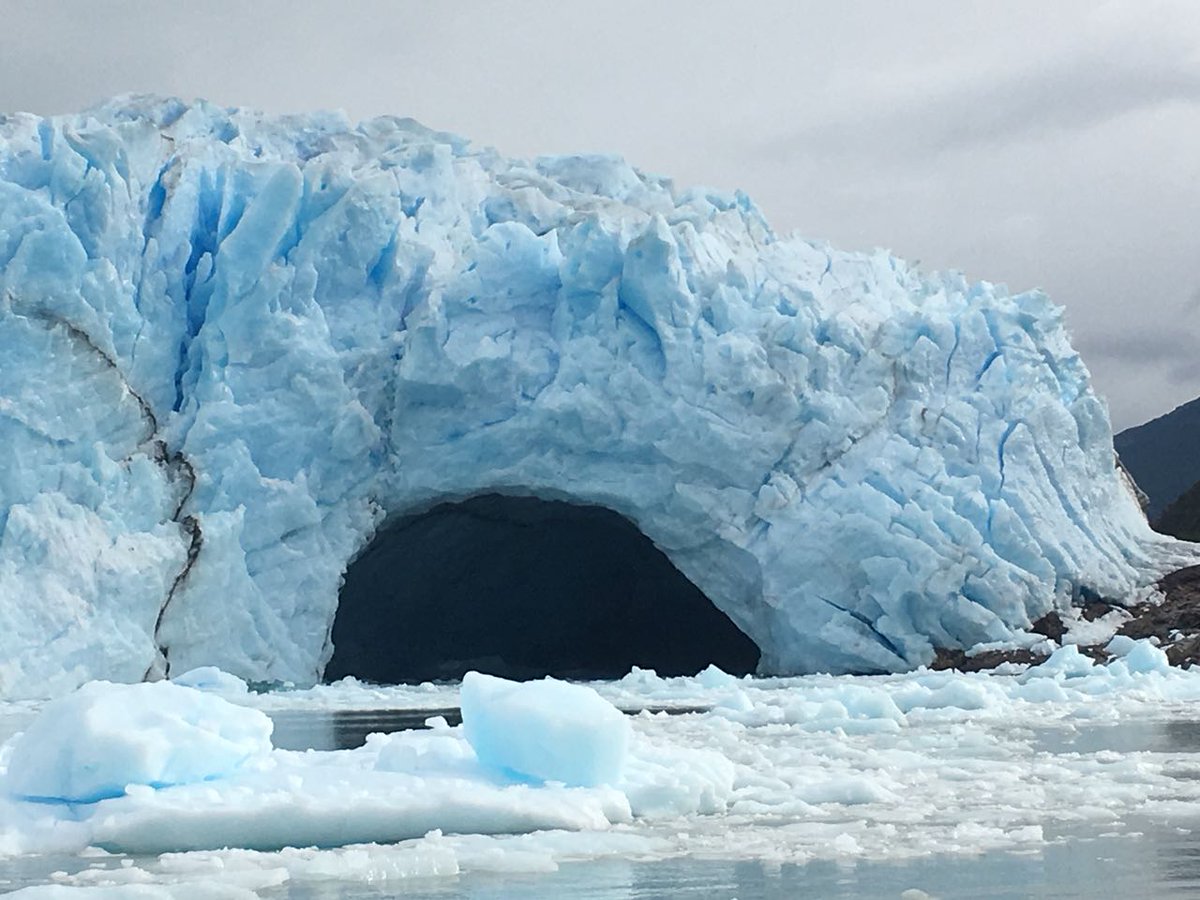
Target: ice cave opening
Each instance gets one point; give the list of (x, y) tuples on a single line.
[(524, 587)]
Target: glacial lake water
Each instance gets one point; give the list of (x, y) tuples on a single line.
[(1158, 864), (1144, 860), (1137, 857), (346, 729)]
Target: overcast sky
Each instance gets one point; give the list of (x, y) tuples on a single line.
[(1038, 144)]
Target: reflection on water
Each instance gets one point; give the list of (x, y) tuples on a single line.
[(24, 871), (346, 729), (1163, 862), (1123, 737), (343, 729), (1083, 868), (1177, 860)]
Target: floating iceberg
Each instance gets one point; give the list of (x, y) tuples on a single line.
[(97, 742), (547, 730), (231, 345)]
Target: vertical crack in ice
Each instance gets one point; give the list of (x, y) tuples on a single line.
[(1008, 433), (191, 527), (953, 351), (204, 240), (987, 363), (156, 199), (828, 267), (172, 462)]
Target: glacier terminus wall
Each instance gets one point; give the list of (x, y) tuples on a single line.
[(233, 345)]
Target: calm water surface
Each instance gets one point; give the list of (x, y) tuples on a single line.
[(346, 729), (1162, 862)]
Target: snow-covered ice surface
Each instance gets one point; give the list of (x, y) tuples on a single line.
[(781, 771), (232, 344)]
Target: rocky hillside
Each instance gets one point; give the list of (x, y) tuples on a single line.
[(1163, 455), (1182, 518)]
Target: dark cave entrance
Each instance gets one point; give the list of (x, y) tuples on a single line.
[(522, 588)]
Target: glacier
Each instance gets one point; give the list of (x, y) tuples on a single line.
[(233, 345)]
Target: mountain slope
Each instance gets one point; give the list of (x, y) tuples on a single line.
[(1163, 455)]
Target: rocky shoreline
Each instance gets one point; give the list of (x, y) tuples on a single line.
[(1174, 623)]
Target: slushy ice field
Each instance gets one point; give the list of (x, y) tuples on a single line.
[(174, 790)]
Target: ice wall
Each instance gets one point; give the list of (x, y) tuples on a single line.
[(231, 345)]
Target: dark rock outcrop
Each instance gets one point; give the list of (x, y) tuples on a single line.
[(1174, 624), (1182, 518)]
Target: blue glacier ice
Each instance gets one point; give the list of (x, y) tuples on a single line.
[(95, 743), (231, 345), (547, 730)]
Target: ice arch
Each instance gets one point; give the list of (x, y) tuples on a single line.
[(523, 588), (232, 346)]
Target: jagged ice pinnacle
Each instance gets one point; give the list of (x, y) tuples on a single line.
[(231, 345)]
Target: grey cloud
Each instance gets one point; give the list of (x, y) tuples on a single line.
[(1160, 348), (1143, 370), (961, 107), (1186, 373), (1059, 97)]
